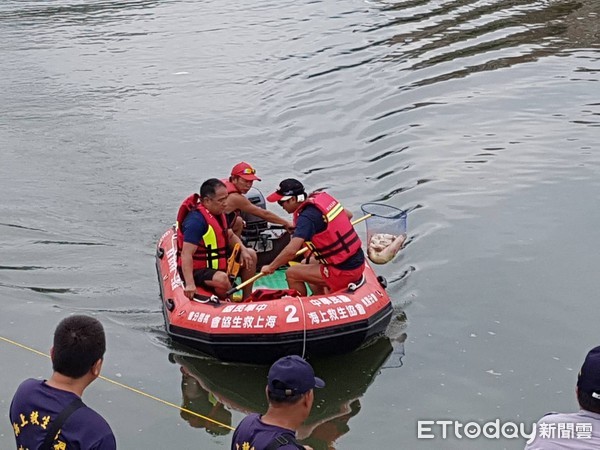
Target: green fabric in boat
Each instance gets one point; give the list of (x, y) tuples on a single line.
[(274, 281)]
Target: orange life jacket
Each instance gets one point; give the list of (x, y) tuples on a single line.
[(231, 189), (230, 186), (339, 240)]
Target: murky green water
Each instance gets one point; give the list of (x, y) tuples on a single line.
[(479, 117)]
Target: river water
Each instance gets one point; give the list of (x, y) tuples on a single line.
[(481, 118)]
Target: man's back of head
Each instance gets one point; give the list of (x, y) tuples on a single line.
[(291, 376), (588, 382), (79, 342), (77, 355)]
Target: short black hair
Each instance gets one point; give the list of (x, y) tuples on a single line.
[(587, 402), (209, 187), (79, 342)]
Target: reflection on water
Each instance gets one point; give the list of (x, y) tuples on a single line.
[(203, 402), (457, 110), (212, 389)]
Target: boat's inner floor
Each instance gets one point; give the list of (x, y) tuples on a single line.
[(273, 282)]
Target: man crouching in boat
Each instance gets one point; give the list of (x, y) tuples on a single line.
[(320, 219), (203, 241), (238, 185)]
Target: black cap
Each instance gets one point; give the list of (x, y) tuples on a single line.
[(292, 375), (290, 187), (589, 375)]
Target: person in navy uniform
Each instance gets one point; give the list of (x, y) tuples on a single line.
[(290, 392), (39, 406)]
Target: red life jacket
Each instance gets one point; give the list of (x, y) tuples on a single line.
[(231, 189), (339, 240), (212, 249)]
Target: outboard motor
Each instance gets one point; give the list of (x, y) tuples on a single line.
[(254, 225), (266, 241)]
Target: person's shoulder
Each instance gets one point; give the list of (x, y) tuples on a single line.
[(573, 417), (311, 208), (546, 434), (24, 392), (30, 383), (29, 386), (246, 428), (555, 417), (310, 211), (238, 200), (194, 219), (87, 418), (250, 419), (194, 215)]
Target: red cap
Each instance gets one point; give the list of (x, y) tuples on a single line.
[(244, 170)]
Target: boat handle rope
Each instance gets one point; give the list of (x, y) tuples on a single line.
[(137, 391)]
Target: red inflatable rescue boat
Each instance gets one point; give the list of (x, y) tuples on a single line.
[(264, 330)]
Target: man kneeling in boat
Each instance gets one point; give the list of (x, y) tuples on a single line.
[(203, 242), (320, 219), (239, 183)]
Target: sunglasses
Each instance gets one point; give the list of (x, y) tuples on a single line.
[(283, 200), (249, 171)]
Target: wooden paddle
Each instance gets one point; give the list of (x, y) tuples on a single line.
[(298, 253)]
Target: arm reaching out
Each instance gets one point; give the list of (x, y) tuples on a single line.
[(238, 201), (286, 255)]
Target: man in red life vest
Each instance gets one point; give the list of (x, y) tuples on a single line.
[(320, 219), (239, 183), (203, 241)]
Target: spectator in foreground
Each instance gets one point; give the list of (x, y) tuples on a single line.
[(49, 414), (580, 430), (289, 390)]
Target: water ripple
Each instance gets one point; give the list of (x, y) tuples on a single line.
[(42, 290), (22, 268), (479, 117), (69, 243)]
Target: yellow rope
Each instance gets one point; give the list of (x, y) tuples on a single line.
[(137, 391)]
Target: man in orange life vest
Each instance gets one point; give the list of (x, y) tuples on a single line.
[(203, 241), (320, 219), (238, 184)]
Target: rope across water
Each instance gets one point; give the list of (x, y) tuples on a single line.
[(124, 386)]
